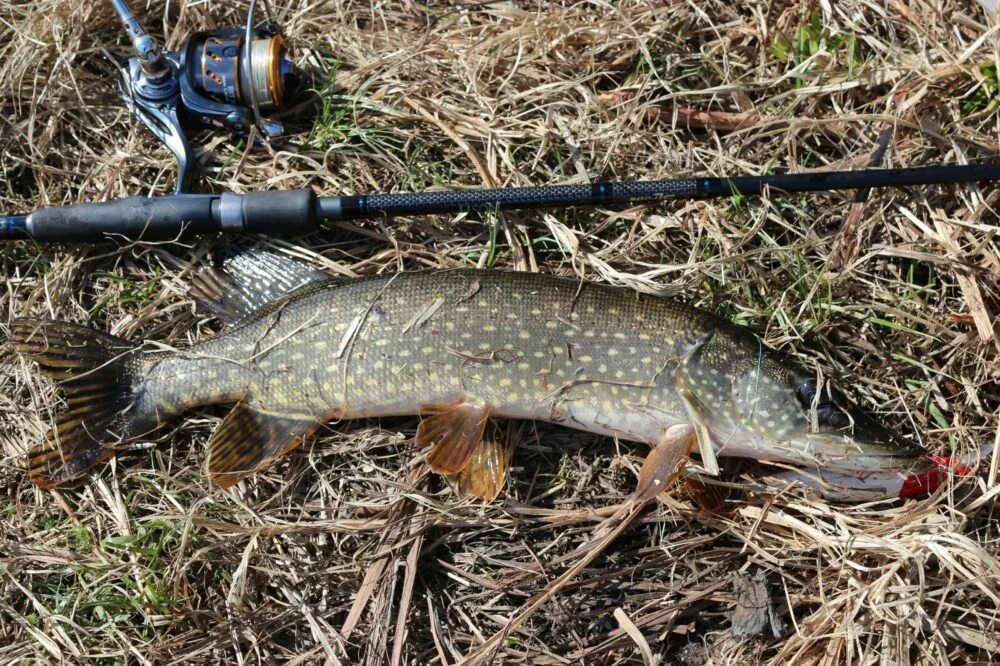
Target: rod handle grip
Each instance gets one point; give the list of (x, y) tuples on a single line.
[(135, 217), (169, 217)]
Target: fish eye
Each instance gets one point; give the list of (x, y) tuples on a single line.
[(807, 392), (827, 413)]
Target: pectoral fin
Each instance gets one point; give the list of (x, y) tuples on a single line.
[(483, 477), (452, 431), (665, 462), (696, 412), (702, 434), (249, 440)]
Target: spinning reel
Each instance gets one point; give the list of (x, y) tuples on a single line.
[(222, 78)]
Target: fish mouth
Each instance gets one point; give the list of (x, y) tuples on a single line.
[(845, 453), (864, 444), (925, 476)]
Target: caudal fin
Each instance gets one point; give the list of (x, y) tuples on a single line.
[(96, 372)]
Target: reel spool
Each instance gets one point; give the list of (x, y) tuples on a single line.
[(215, 61), (220, 78)]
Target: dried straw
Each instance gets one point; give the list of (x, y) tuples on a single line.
[(896, 296)]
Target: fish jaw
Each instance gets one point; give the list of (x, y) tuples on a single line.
[(927, 475), (816, 452)]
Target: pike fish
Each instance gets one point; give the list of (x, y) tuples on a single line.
[(456, 347)]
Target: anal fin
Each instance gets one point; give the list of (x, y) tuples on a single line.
[(485, 474), (452, 431), (665, 462), (249, 440)]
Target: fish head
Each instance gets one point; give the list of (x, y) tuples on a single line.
[(759, 403)]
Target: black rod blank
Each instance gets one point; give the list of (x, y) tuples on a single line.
[(597, 194), (301, 211)]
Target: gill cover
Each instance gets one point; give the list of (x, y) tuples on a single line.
[(746, 399)]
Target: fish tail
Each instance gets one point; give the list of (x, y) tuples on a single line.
[(99, 374)]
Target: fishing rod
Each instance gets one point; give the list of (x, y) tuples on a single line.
[(225, 79), (301, 211)]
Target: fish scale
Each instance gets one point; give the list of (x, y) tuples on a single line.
[(523, 345), (458, 346)]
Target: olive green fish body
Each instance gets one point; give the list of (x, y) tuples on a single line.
[(592, 357), (523, 345)]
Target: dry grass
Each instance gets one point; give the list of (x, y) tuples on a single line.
[(145, 562)]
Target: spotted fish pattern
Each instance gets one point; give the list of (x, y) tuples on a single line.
[(460, 347)]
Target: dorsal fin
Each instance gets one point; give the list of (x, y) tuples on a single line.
[(243, 281)]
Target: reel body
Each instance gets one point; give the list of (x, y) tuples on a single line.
[(222, 79)]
